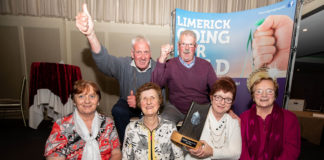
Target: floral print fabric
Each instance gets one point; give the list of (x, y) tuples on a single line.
[(64, 141), (142, 144)]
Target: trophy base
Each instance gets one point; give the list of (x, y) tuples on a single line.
[(184, 140)]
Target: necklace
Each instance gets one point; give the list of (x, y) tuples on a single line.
[(218, 134)]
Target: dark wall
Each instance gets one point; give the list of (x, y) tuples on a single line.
[(308, 84)]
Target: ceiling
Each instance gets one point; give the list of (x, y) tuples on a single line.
[(310, 47)]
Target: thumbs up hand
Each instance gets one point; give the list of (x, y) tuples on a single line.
[(131, 100), (84, 21)]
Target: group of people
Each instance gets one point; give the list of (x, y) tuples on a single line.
[(266, 131)]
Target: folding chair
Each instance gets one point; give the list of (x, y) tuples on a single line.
[(15, 105)]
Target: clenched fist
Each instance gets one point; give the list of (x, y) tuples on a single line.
[(271, 42)]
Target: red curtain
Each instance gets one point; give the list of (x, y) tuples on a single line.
[(58, 78)]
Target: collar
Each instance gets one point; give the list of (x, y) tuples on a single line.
[(186, 64), (138, 70), (141, 122)]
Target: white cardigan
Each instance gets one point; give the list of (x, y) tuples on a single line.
[(233, 143)]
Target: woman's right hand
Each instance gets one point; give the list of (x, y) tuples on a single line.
[(55, 158), (203, 151), (84, 21)]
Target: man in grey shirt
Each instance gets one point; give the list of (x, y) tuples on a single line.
[(131, 72)]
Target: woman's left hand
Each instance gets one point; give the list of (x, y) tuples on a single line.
[(203, 151)]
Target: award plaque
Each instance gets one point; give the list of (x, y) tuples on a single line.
[(190, 132)]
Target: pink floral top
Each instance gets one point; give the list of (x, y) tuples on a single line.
[(64, 141)]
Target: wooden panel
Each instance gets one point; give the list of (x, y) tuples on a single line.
[(42, 45), (10, 62)]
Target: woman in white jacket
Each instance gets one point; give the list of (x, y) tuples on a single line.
[(221, 136)]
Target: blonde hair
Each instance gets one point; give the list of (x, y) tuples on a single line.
[(257, 76)]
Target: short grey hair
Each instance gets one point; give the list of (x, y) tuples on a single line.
[(140, 38), (189, 33)]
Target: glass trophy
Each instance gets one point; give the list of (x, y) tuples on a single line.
[(190, 131)]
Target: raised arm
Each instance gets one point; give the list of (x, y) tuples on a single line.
[(159, 73), (85, 25), (165, 51)]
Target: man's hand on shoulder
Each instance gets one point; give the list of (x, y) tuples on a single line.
[(234, 116)]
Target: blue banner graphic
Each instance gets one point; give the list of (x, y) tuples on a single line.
[(238, 43)]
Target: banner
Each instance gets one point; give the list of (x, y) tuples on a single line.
[(238, 43)]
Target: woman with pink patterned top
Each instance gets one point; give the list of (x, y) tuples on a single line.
[(84, 134)]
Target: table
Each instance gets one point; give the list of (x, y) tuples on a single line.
[(50, 87), (311, 126)]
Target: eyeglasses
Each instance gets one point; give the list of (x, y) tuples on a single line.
[(267, 91), (191, 45), (220, 99)]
